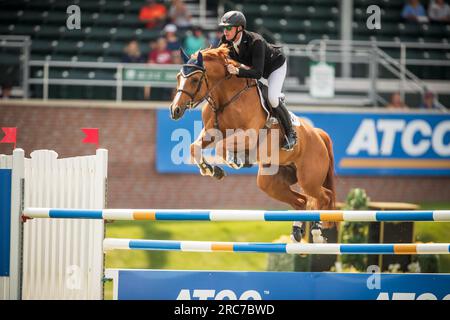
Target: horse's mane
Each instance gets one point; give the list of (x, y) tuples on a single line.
[(221, 53)]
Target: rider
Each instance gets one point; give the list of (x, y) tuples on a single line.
[(260, 59)]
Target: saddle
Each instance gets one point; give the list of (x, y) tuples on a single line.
[(264, 95)]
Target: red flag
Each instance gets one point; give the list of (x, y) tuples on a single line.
[(10, 136), (91, 135)]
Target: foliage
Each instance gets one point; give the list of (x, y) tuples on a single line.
[(355, 232)]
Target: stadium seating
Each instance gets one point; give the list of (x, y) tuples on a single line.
[(107, 25)]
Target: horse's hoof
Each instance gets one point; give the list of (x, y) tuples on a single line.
[(297, 234), (234, 161), (317, 235), (218, 173)]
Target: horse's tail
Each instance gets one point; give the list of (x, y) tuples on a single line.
[(329, 182)]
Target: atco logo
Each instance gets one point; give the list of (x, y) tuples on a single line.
[(207, 294), (409, 296), (416, 137)]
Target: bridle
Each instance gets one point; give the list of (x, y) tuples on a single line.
[(215, 107), (191, 104)]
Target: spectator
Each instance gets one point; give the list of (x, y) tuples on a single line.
[(153, 14), (195, 41), (214, 40), (396, 102), (160, 54), (439, 11), (176, 57), (171, 37), (413, 11), (9, 77), (428, 101), (132, 54), (179, 15), (6, 90)]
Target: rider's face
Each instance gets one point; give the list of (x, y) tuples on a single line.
[(229, 34)]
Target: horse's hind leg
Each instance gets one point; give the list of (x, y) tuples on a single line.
[(278, 186)]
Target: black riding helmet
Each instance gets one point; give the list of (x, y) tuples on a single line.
[(233, 19)]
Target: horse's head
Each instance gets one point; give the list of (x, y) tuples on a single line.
[(195, 84), (191, 89)]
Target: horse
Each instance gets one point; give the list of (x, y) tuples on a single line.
[(229, 102)]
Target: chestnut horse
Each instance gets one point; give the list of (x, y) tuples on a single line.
[(230, 102)]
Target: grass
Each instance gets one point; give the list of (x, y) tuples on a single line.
[(435, 232), (191, 230), (226, 231)]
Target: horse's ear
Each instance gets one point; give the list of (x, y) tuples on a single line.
[(200, 59), (184, 56)]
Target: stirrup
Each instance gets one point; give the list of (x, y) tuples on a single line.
[(289, 145)]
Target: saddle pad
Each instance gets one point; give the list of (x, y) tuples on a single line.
[(263, 82)]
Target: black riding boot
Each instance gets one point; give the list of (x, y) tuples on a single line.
[(284, 119)]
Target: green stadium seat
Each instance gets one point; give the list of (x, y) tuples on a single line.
[(408, 29), (8, 17), (129, 20), (57, 18), (92, 47), (49, 31), (5, 28), (97, 32), (67, 46), (42, 46), (320, 12), (74, 35), (114, 7), (115, 49), (28, 30), (432, 30), (293, 11), (93, 6), (107, 19), (9, 58), (327, 3), (133, 6), (145, 34), (31, 17), (40, 6), (111, 59), (124, 33), (290, 38)]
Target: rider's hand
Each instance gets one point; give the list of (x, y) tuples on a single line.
[(232, 69)]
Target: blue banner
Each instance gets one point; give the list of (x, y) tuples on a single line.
[(366, 143), (5, 221), (233, 285)]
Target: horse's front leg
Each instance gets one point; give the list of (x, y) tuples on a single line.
[(202, 142)]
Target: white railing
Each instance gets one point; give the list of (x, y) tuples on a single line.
[(371, 53), (23, 44), (116, 81)]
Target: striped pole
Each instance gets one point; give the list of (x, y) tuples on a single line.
[(290, 248), (237, 215)]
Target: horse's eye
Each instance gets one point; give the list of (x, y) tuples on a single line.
[(194, 80)]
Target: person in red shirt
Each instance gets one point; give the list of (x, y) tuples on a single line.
[(160, 54), (153, 14)]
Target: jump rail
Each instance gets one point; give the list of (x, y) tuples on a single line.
[(290, 248), (238, 215)]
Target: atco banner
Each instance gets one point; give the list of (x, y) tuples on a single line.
[(225, 285), (364, 143)]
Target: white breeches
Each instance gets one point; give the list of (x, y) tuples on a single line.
[(275, 84)]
